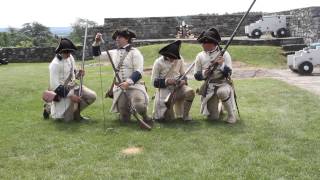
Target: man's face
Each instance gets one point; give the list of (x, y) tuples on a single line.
[(209, 46), (65, 54), (121, 41)]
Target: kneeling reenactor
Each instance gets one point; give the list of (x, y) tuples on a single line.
[(165, 74), (129, 64), (63, 74), (216, 87)]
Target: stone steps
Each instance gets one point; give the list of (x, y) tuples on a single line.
[(293, 47), (286, 53)]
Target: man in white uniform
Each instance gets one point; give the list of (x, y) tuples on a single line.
[(129, 63), (165, 72), (63, 74), (217, 89)]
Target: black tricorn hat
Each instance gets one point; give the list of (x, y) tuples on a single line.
[(65, 45), (171, 50), (209, 36), (127, 33)]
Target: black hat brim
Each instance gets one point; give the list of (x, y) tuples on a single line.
[(206, 39), (171, 50), (65, 45), (170, 55), (209, 36), (126, 33)]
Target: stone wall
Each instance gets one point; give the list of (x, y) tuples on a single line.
[(304, 22), (165, 27), (35, 54)]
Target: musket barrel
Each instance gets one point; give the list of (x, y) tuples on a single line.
[(83, 56), (237, 28), (113, 66), (214, 65), (84, 44)]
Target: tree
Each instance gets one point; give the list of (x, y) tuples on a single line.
[(78, 29), (12, 38), (31, 34), (40, 34), (4, 39)]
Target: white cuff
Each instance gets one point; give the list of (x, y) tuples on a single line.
[(203, 75), (222, 67), (166, 81), (95, 43), (71, 92), (130, 81)]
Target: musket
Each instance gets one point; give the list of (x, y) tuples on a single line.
[(171, 97), (133, 110), (213, 64), (83, 56), (77, 112)]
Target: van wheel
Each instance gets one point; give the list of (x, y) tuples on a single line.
[(305, 68), (282, 32), (256, 34)]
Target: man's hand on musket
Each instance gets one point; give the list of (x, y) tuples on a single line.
[(98, 37), (81, 72), (171, 82), (124, 85), (181, 83), (220, 60), (75, 98), (206, 72)]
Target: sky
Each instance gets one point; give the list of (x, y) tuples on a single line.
[(62, 13)]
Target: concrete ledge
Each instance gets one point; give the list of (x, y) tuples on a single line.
[(46, 54), (293, 47), (236, 41)]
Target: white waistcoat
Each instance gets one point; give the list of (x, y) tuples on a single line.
[(59, 72), (164, 69), (132, 62), (203, 60)]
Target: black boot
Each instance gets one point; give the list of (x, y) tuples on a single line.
[(46, 111)]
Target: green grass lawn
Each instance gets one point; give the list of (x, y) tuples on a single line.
[(257, 56), (277, 137)]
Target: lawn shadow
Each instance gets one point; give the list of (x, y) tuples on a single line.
[(179, 124), (115, 125), (72, 126), (236, 128)]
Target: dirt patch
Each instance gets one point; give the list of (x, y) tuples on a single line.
[(310, 83), (238, 64), (242, 73), (132, 151)]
